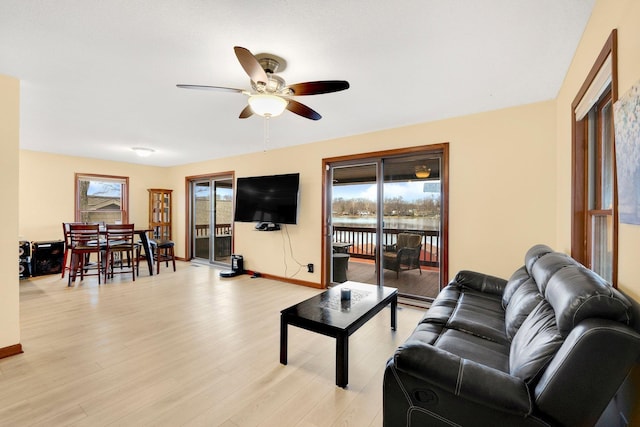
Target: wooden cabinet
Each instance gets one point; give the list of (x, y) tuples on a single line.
[(160, 213)]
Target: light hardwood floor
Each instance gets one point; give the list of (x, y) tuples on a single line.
[(185, 348)]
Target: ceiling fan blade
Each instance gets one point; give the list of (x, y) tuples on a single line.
[(316, 88), (216, 88), (251, 65), (247, 112), (302, 110)]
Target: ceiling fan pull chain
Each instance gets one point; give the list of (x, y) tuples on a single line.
[(266, 132)]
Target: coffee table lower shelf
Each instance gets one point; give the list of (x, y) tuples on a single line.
[(328, 315)]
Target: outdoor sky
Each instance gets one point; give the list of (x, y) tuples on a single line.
[(104, 188), (408, 190)]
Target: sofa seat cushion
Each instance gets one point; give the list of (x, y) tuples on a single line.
[(480, 315), (442, 307), (427, 333), (472, 347)]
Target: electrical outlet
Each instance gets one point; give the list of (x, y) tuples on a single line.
[(310, 268)]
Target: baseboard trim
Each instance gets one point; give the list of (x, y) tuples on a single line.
[(287, 280), (12, 350)]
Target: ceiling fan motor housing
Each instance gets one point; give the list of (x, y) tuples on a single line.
[(275, 84)]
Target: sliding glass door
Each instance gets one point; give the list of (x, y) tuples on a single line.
[(412, 223), (212, 219), (386, 221)]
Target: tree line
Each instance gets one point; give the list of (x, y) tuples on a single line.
[(393, 206)]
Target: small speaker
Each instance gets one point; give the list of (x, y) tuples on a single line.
[(24, 259), (24, 249), (24, 269), (47, 257)]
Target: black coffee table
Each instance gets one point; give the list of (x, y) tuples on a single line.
[(327, 314)]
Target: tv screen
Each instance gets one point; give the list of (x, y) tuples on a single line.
[(271, 199)]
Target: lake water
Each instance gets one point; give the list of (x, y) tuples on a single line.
[(403, 223)]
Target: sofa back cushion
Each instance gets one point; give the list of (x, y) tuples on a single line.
[(534, 344), (547, 266), (518, 277), (525, 298), (576, 293), (534, 253)]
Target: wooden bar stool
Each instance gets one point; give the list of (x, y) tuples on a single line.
[(164, 252), (85, 240), (120, 242)]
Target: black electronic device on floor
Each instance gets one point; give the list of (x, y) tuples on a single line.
[(237, 267), (47, 257)]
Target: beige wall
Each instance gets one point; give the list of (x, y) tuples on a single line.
[(9, 143), (47, 190), (502, 189), (607, 15)]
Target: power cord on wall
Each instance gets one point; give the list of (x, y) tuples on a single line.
[(284, 251)]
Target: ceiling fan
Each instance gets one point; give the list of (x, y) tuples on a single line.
[(269, 95)]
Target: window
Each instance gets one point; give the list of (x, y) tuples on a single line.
[(594, 234), (599, 137), (102, 199)]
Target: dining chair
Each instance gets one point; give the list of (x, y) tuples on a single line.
[(84, 240), (120, 243)]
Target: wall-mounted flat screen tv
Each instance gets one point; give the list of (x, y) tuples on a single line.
[(270, 199)]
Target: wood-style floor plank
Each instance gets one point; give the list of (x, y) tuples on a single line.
[(185, 348)]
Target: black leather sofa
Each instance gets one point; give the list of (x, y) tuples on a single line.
[(550, 346)]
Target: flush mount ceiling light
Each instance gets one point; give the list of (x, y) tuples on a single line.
[(143, 152), (267, 105), (422, 172)]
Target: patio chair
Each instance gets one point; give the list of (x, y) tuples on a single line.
[(404, 255)]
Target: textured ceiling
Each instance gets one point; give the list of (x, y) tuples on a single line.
[(98, 76)]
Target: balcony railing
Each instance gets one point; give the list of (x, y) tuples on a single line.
[(202, 230), (363, 242)]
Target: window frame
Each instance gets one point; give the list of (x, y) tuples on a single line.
[(580, 210), (124, 180)]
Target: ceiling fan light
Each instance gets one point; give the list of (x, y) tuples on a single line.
[(267, 105), (422, 172)]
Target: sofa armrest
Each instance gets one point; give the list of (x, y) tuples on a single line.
[(481, 282), (464, 378)]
